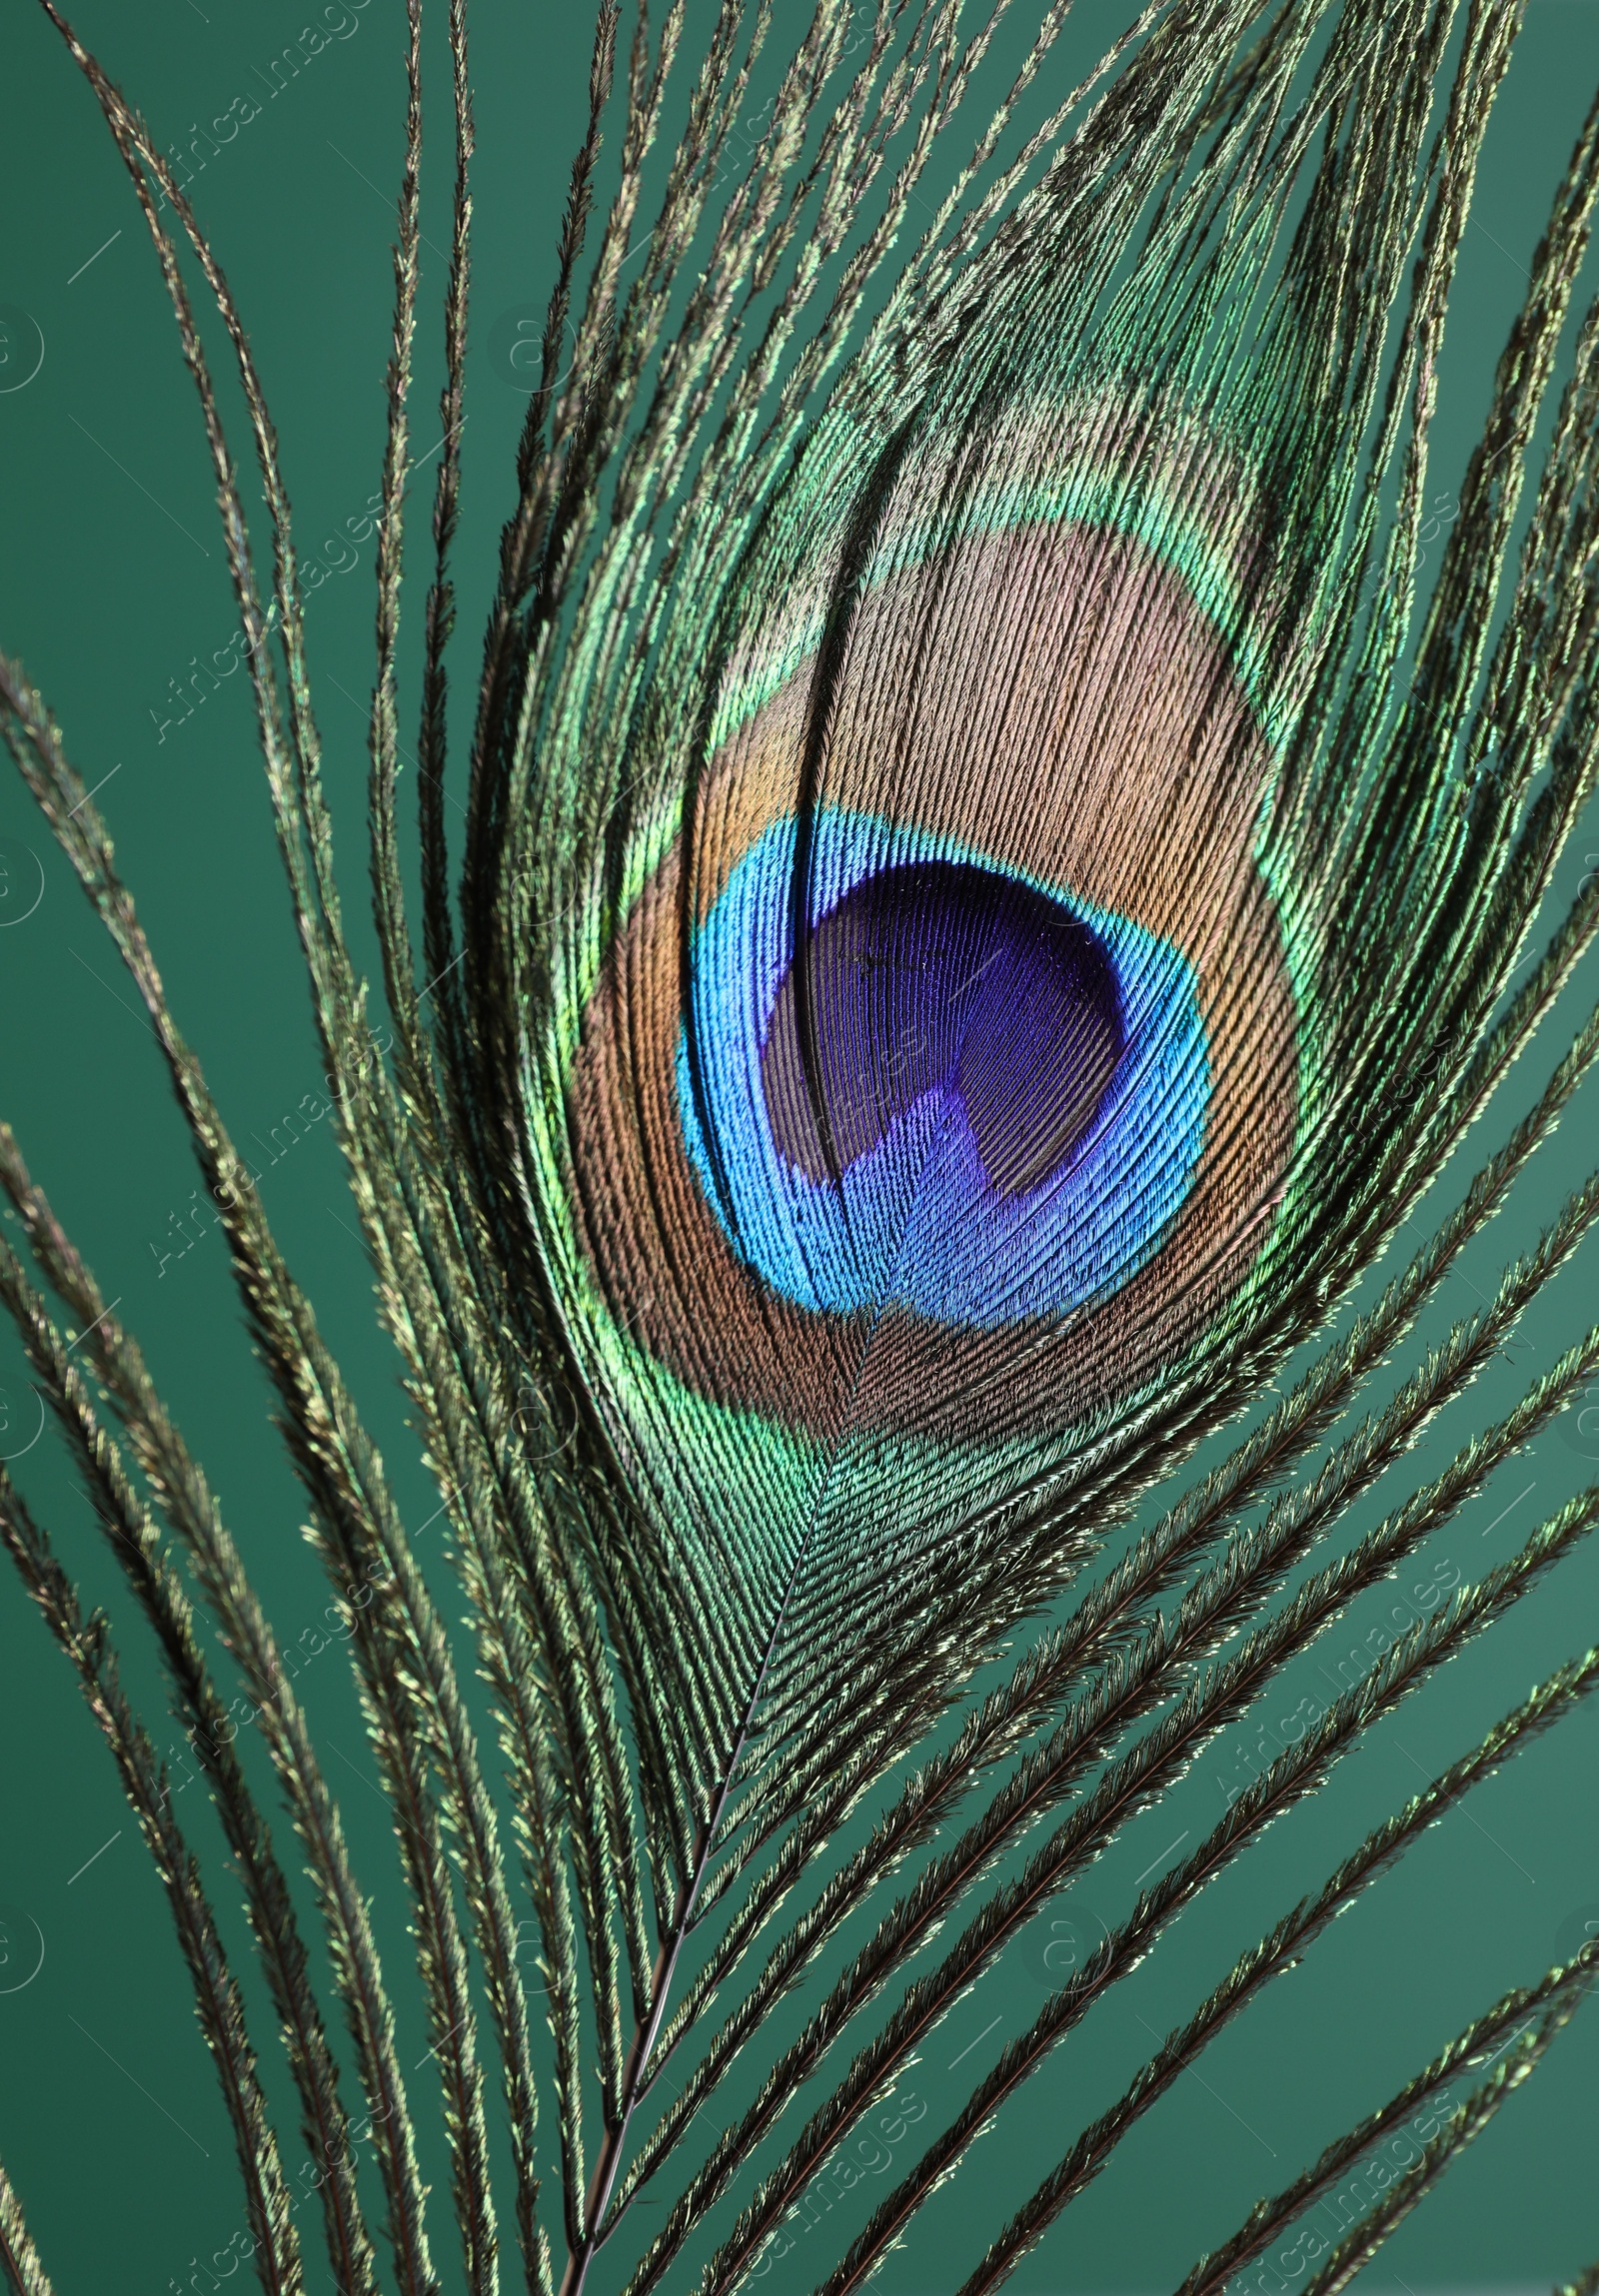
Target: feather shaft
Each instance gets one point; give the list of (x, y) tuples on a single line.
[(1207, 1613)]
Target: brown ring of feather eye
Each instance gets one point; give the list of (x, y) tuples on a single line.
[(1052, 697)]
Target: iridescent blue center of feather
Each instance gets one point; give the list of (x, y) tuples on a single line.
[(940, 977), (912, 1077)]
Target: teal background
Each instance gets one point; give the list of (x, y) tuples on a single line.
[(112, 581)]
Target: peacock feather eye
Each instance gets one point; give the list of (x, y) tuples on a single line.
[(953, 1028), (959, 1091)]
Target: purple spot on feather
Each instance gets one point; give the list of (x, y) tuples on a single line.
[(941, 973)]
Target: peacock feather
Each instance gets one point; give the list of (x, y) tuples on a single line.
[(989, 890)]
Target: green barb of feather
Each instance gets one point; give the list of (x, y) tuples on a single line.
[(275, 2243), (1467, 2122), (1273, 1956), (137, 1546), (17, 2252)]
